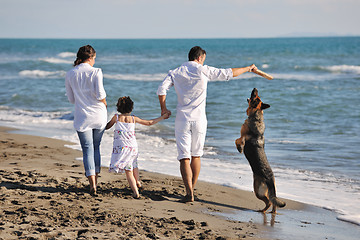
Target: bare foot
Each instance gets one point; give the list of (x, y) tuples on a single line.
[(187, 198), (93, 192), (136, 196)]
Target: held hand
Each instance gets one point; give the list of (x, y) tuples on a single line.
[(164, 111), (166, 115)]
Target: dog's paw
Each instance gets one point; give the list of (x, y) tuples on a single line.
[(239, 145), (240, 148)]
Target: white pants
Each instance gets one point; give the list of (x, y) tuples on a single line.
[(190, 138)]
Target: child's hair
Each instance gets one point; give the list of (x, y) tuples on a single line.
[(125, 105)]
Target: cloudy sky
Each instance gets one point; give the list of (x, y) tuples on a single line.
[(178, 18)]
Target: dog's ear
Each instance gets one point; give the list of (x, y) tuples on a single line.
[(264, 106), (254, 93)]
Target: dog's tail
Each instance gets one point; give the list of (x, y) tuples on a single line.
[(277, 202)]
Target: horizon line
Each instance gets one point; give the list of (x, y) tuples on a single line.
[(180, 38)]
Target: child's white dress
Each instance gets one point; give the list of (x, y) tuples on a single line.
[(125, 148)]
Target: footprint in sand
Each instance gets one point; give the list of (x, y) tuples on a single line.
[(15, 202)]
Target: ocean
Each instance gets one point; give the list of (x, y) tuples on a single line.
[(312, 127)]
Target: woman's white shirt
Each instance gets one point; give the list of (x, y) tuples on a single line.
[(85, 89)]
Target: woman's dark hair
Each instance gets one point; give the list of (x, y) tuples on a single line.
[(125, 105), (195, 53), (84, 53)]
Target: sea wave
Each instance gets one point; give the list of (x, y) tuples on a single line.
[(67, 55), (277, 76), (63, 58), (159, 77), (56, 60), (42, 74), (37, 73), (284, 141), (342, 69), (137, 58), (136, 77), (15, 114), (333, 69), (305, 77)]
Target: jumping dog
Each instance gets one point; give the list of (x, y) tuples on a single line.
[(252, 143)]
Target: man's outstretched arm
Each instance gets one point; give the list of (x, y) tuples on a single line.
[(239, 71)]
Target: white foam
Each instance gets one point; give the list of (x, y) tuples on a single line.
[(42, 74), (284, 141), (160, 77), (265, 66), (134, 58), (136, 77), (56, 60), (343, 69), (304, 77), (67, 55), (335, 72)]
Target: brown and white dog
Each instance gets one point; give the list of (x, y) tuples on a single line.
[(252, 143)]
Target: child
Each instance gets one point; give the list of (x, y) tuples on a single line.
[(125, 148)]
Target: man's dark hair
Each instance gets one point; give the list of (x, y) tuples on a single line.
[(195, 53)]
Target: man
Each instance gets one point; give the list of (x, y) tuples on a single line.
[(190, 82)]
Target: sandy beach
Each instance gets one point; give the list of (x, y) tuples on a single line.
[(44, 195)]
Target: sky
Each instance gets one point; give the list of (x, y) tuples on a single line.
[(178, 18)]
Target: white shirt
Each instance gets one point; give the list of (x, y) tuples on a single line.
[(84, 88), (190, 82)]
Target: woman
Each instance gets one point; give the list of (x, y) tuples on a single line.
[(84, 88)]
